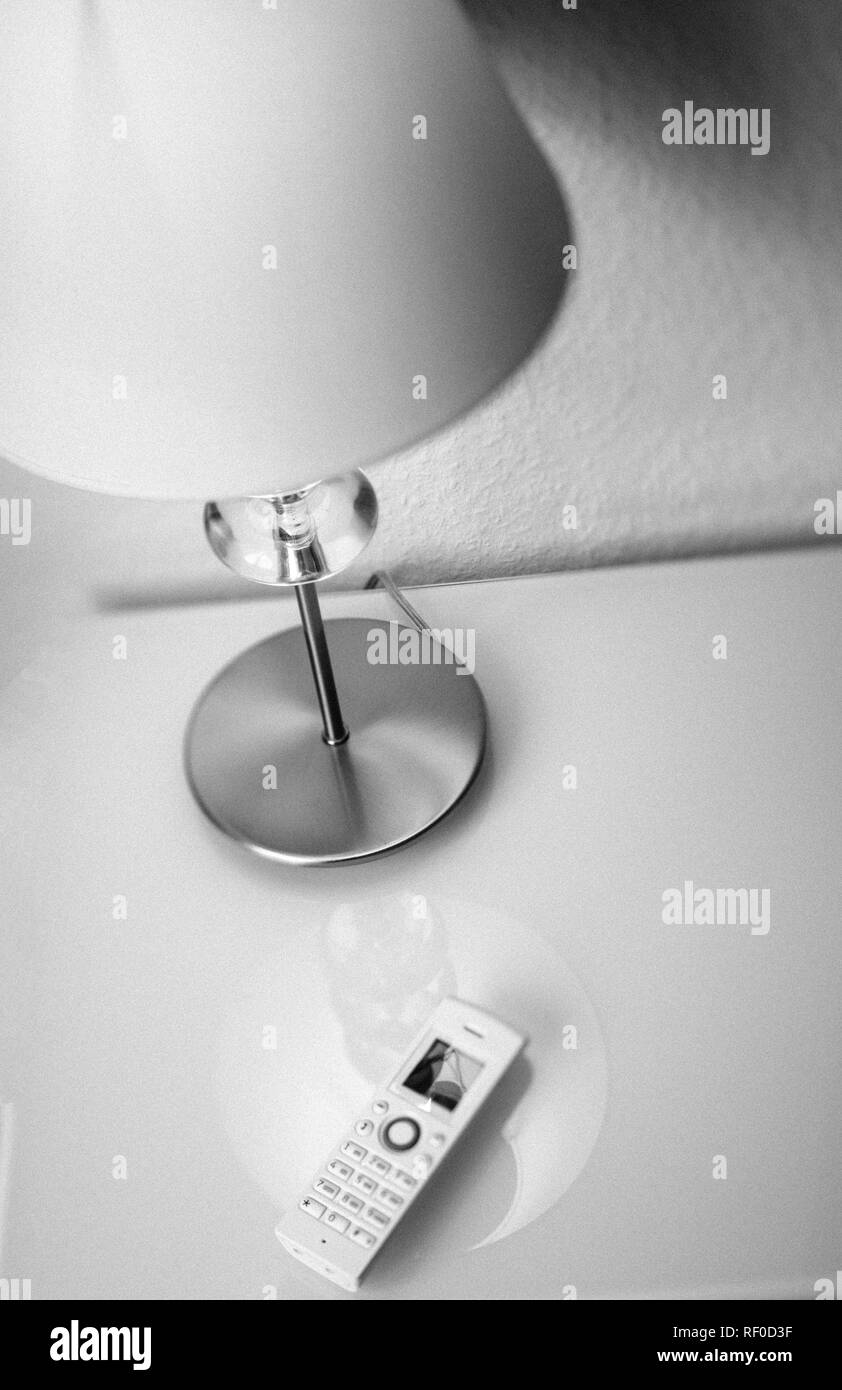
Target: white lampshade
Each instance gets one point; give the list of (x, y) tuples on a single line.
[(226, 259)]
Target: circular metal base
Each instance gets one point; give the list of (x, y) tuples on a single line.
[(260, 770)]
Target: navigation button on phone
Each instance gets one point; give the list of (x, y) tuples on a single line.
[(401, 1133)]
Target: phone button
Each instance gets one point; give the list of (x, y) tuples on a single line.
[(354, 1151), (381, 1107), (401, 1134), (354, 1204), (437, 1141), (312, 1207), (340, 1170), (339, 1223), (422, 1165), (327, 1189), (362, 1237), (401, 1179), (365, 1183), (363, 1127)]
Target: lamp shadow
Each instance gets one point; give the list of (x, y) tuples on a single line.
[(618, 64), (714, 44)]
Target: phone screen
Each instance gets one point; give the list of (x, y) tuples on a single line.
[(443, 1074)]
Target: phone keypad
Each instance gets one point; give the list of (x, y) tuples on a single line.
[(338, 1196)]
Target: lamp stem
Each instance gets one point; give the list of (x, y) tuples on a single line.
[(335, 730)]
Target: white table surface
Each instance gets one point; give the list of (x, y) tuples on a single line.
[(150, 1039)]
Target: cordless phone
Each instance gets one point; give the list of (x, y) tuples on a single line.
[(379, 1166)]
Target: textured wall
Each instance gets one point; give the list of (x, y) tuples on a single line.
[(692, 262)]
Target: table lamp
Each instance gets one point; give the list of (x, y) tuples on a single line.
[(247, 247)]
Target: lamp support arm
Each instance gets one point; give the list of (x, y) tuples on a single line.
[(335, 729)]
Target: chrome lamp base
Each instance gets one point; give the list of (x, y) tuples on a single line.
[(283, 759), (262, 769)]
